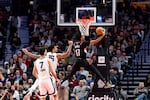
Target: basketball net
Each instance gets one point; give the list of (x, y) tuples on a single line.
[(84, 25)]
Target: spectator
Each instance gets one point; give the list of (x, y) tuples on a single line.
[(89, 80), (21, 92), (15, 93), (73, 81), (24, 79), (147, 83), (111, 51), (84, 72), (61, 65), (45, 41), (18, 76), (15, 60), (15, 42), (80, 76), (30, 82), (35, 36), (71, 58), (8, 85), (114, 78), (63, 89), (34, 23), (11, 78), (61, 75), (117, 65), (11, 62), (6, 68), (26, 60), (15, 23), (141, 92), (91, 86), (22, 65), (3, 94), (12, 71), (80, 91), (121, 94), (19, 55), (69, 68), (16, 85)]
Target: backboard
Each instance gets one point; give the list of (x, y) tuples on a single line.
[(69, 11)]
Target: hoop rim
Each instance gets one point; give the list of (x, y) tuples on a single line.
[(84, 22)]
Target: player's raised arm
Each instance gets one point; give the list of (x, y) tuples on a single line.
[(67, 53), (101, 32), (30, 54)]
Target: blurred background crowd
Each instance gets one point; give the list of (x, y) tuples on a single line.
[(123, 41)]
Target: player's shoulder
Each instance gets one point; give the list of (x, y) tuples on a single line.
[(37, 60), (50, 53)]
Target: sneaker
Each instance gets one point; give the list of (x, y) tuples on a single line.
[(100, 83), (108, 85)]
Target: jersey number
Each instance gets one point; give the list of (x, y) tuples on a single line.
[(41, 64), (51, 57), (42, 69)]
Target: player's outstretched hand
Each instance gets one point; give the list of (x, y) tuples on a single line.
[(25, 50), (70, 42)]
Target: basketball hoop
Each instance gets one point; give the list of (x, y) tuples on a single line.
[(84, 25)]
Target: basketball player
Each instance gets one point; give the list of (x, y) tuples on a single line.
[(80, 44), (42, 71), (54, 56)]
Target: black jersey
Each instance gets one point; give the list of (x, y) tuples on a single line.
[(80, 49)]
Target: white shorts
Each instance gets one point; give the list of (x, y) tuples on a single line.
[(47, 86)]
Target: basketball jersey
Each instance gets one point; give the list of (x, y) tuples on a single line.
[(53, 57), (42, 67), (80, 49)]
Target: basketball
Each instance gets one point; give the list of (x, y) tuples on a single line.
[(100, 30)]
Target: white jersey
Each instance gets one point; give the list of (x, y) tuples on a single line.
[(53, 57), (42, 68)]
